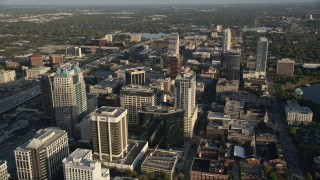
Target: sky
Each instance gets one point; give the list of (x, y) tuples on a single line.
[(123, 2)]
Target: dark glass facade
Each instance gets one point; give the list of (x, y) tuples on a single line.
[(231, 65)]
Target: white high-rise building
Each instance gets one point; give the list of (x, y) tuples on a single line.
[(173, 44), (185, 98), (108, 37), (109, 132), (226, 41), (41, 157), (79, 165), (134, 98), (4, 175), (69, 98), (136, 38), (262, 55)]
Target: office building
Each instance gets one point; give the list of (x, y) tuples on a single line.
[(158, 164), (41, 157), (162, 125), (47, 98), (69, 98), (55, 59), (109, 132), (297, 114), (174, 66), (231, 65), (134, 98), (136, 38), (226, 41), (135, 76), (36, 60), (4, 175), (185, 96), (234, 109), (218, 28), (261, 58), (173, 44), (35, 72), (108, 37), (7, 76), (285, 67), (80, 165)]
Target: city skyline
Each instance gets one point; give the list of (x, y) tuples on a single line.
[(147, 2)]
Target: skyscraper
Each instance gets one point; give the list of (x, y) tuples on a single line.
[(134, 98), (69, 98), (4, 175), (174, 66), (80, 165), (46, 89), (109, 132), (231, 65), (261, 59), (41, 157), (173, 44), (185, 98), (226, 41)]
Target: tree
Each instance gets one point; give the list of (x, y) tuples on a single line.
[(309, 177), (130, 173)]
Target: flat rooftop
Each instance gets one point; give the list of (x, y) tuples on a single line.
[(81, 158), (161, 161), (108, 111)]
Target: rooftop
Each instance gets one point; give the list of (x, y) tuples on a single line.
[(137, 88), (293, 106), (81, 158), (160, 109), (108, 111), (161, 161)]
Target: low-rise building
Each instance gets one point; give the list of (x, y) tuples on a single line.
[(80, 165), (34, 73), (223, 85), (285, 67), (208, 169), (159, 163), (7, 76), (297, 114), (233, 109)]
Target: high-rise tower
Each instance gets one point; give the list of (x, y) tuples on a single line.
[(173, 44), (69, 98), (226, 41), (262, 55), (185, 98)]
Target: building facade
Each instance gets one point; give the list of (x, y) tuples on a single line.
[(174, 66), (226, 41), (297, 114), (4, 175), (134, 98), (162, 125), (231, 65), (36, 60), (7, 76), (261, 58), (135, 76), (109, 132), (80, 165), (136, 38), (69, 98), (224, 85), (34, 73), (41, 157), (173, 44), (185, 96), (46, 89)]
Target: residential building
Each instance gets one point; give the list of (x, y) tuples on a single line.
[(80, 165), (73, 52), (46, 81), (109, 132), (41, 157), (159, 163), (4, 175), (36, 60), (135, 76), (136, 38), (231, 65), (223, 85), (173, 44), (7, 76), (174, 66), (226, 41), (69, 98), (134, 98), (285, 67), (261, 58), (297, 114), (185, 94), (208, 169), (162, 125), (35, 72)]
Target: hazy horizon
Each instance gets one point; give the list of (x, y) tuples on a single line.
[(148, 2)]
